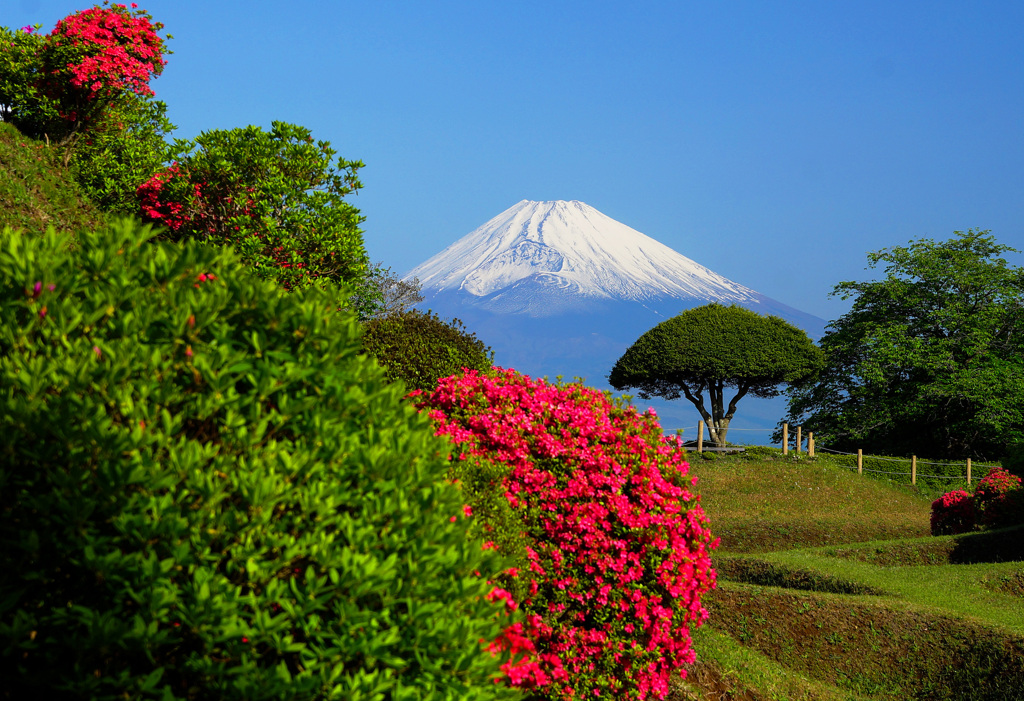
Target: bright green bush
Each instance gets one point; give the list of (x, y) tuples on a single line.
[(420, 348), (207, 493)]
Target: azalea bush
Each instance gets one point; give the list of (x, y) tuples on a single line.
[(994, 501), (997, 501), (59, 84), (953, 513), (277, 197), (209, 493), (612, 545)]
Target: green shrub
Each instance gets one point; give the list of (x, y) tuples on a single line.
[(761, 452), (419, 348), (208, 493)]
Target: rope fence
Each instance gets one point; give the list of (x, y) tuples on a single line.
[(811, 448)]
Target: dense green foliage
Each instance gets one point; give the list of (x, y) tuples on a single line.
[(276, 196), (929, 360), (122, 149), (419, 348), (208, 492), (710, 348)]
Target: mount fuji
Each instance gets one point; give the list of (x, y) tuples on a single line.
[(558, 288)]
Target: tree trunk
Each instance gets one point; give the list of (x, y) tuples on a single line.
[(718, 418)]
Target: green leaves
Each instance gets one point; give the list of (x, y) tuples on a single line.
[(277, 196), (227, 501), (929, 360), (419, 348)]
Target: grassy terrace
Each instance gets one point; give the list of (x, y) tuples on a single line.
[(831, 587)]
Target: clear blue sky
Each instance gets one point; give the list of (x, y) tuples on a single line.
[(774, 142)]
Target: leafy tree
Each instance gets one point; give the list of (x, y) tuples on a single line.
[(711, 348), (930, 360)]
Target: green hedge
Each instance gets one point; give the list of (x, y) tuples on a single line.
[(207, 492)]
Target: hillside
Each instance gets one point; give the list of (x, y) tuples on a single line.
[(35, 189), (830, 587)]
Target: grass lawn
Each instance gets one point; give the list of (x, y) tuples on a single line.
[(831, 587)]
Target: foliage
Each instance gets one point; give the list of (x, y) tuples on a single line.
[(59, 85), (618, 546), (35, 192), (1014, 460), (123, 148), (929, 360), (710, 348), (276, 197), (420, 348), (19, 67), (209, 493), (953, 513)]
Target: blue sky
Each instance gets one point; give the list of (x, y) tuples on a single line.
[(775, 142)]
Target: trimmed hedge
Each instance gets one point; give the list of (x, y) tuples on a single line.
[(207, 492), (419, 348)]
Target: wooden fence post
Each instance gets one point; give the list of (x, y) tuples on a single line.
[(798, 439), (913, 469), (810, 444), (700, 437), (860, 461), (785, 439), (968, 472)]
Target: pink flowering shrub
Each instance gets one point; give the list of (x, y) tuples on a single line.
[(612, 548), (93, 56), (993, 498), (63, 83), (998, 501), (953, 513)]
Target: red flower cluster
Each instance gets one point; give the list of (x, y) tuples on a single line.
[(991, 505), (992, 496), (619, 547), (953, 513), (116, 49), (167, 211)]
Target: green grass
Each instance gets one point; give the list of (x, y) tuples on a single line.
[(831, 587), (35, 189)]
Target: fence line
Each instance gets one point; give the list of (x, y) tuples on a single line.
[(859, 454)]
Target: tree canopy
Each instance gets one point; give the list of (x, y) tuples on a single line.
[(711, 348), (930, 359)]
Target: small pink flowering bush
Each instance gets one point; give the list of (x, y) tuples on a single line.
[(998, 501), (953, 513), (613, 548), (993, 498)]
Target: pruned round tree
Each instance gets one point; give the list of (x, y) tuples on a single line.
[(711, 348)]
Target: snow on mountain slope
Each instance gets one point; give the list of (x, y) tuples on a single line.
[(567, 250)]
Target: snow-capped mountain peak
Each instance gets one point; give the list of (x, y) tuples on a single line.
[(567, 250)]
